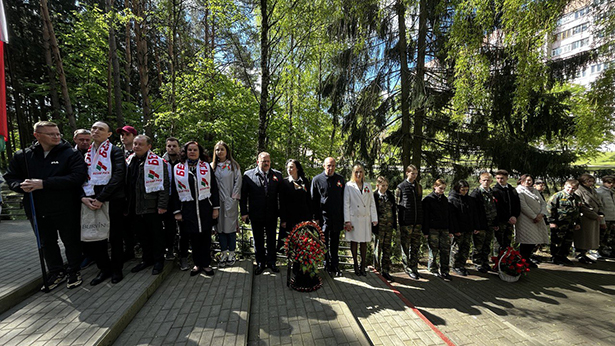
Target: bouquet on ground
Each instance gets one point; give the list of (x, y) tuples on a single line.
[(305, 246), (510, 263)]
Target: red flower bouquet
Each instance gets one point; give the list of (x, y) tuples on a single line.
[(305, 248), (510, 265)]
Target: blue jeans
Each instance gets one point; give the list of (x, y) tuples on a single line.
[(228, 241)]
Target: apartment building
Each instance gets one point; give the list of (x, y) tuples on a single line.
[(576, 33)]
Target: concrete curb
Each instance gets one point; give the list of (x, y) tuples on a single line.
[(20, 294)]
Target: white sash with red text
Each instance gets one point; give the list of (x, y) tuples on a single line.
[(203, 178), (99, 167), (153, 172)]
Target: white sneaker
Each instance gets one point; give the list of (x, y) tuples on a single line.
[(231, 259), (223, 259)]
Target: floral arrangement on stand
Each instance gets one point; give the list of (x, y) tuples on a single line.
[(305, 250), (510, 265)]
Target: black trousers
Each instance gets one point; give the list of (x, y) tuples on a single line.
[(259, 229), (99, 249), (151, 236), (170, 230), (332, 239), (201, 248), (68, 226)]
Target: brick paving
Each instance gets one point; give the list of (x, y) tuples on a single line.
[(384, 317), (197, 310), (21, 270), (85, 315), (553, 305), (282, 316)]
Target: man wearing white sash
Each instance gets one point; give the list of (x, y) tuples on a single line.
[(106, 172), (148, 196)]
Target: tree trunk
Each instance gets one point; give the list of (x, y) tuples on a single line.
[(140, 33), (127, 69), (263, 112), (59, 67), (115, 63), (419, 85), (406, 145), (25, 133), (53, 88)]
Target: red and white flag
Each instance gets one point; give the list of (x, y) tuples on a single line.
[(4, 38)]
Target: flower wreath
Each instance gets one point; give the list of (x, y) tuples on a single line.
[(511, 262), (305, 245)]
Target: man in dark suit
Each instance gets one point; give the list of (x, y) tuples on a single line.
[(260, 205)]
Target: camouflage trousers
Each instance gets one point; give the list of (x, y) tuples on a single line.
[(504, 235), (561, 240), (410, 241), (607, 237), (463, 242), (482, 246), (439, 248), (382, 250)]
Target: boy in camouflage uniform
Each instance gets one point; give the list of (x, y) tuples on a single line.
[(564, 218), (487, 222), (408, 197), (436, 228), (387, 222)]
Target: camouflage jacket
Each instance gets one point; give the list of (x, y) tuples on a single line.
[(564, 209)]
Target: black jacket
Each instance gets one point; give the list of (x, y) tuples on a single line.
[(63, 172), (297, 202), (258, 205), (507, 202), (464, 218), (409, 207), (193, 221), (436, 212), (328, 199)]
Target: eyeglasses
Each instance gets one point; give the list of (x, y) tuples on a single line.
[(52, 134)]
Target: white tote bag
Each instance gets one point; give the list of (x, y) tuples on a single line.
[(94, 223)]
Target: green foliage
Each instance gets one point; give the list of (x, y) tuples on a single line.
[(211, 107)]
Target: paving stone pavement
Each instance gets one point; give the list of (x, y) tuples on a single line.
[(197, 310), (553, 305), (282, 316), (21, 270), (384, 317), (84, 315)]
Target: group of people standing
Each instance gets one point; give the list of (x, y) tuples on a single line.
[(146, 196)]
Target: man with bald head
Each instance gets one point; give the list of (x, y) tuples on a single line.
[(328, 206), (260, 205), (106, 173)]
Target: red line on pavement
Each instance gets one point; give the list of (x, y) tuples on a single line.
[(416, 311)]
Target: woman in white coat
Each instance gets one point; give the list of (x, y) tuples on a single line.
[(359, 215), (531, 228)]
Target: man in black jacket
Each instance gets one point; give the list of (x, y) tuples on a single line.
[(328, 206), (50, 174), (112, 192), (508, 206), (148, 199), (260, 202)]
